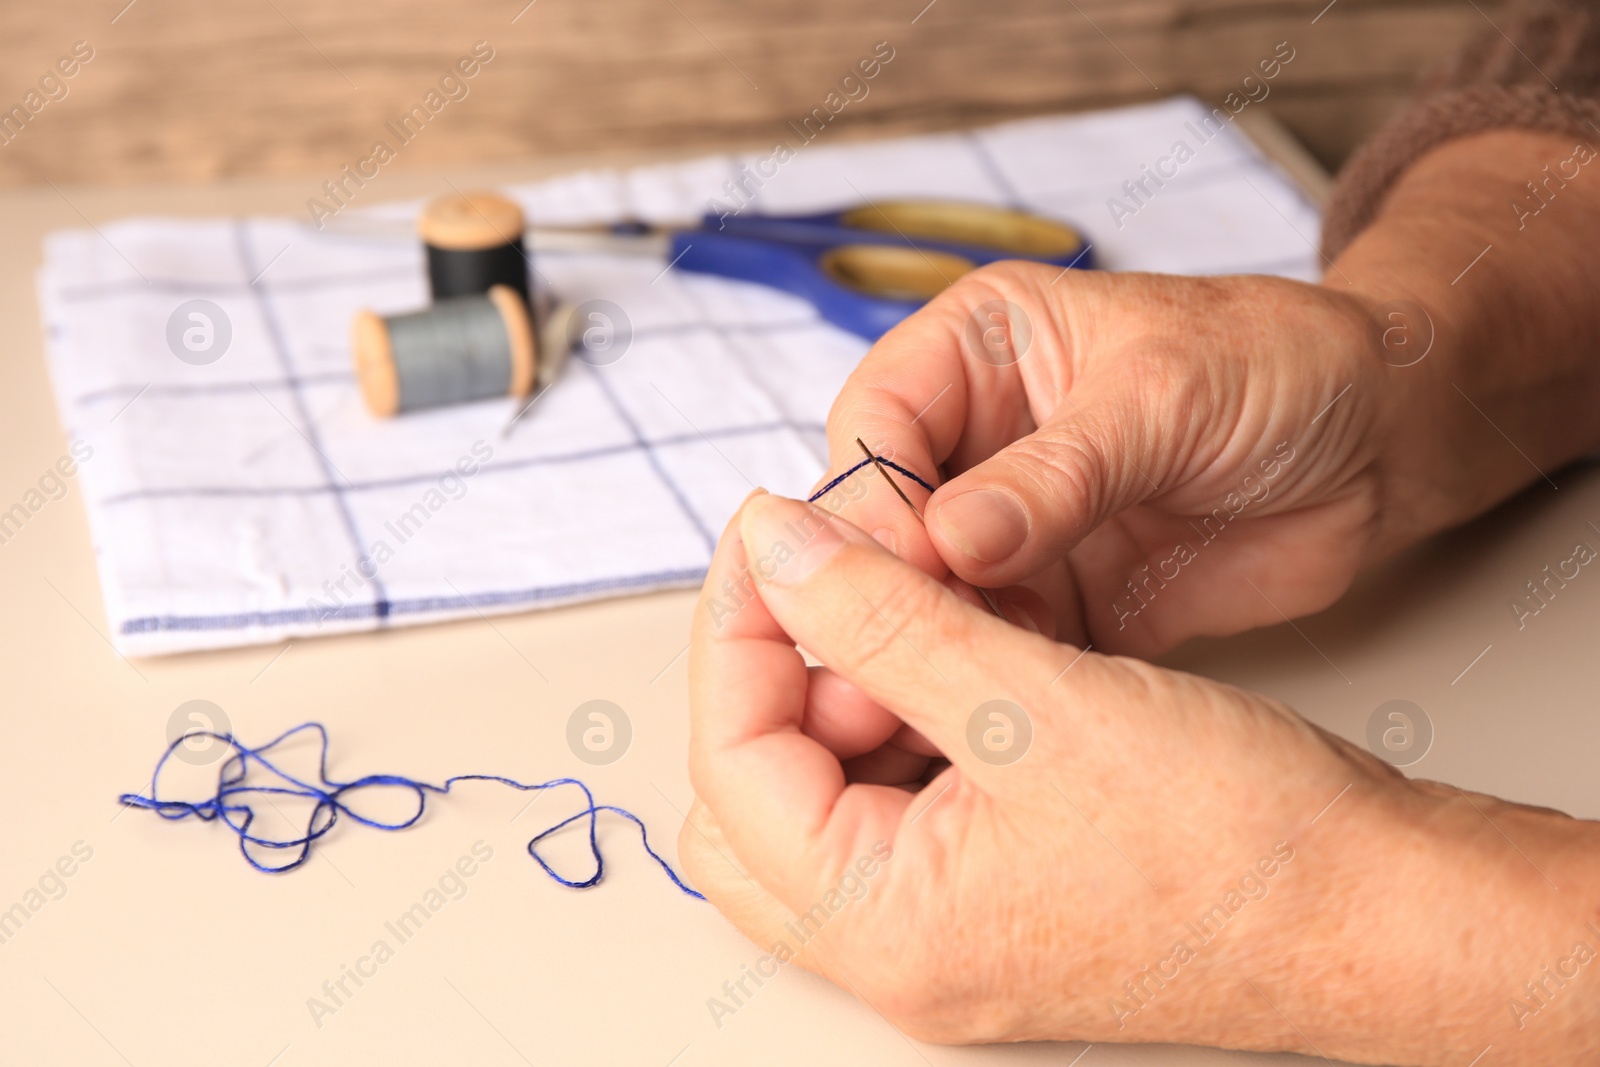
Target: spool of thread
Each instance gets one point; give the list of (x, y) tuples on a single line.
[(458, 350), (474, 242)]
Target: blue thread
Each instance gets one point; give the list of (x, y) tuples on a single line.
[(831, 486), (236, 768)]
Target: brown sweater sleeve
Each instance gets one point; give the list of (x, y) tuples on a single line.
[(1541, 73)]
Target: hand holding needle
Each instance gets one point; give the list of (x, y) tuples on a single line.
[(901, 493)]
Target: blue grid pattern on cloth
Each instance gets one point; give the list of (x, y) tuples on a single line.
[(253, 499)]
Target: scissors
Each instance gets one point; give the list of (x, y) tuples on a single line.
[(866, 268)]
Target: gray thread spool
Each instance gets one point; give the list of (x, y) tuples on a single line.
[(467, 348)]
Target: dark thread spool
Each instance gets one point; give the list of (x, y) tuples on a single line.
[(462, 349), (473, 242)]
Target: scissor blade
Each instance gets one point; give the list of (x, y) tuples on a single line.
[(556, 239)]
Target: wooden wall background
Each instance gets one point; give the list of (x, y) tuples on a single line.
[(191, 90)]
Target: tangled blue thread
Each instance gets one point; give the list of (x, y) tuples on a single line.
[(891, 464), (238, 817)]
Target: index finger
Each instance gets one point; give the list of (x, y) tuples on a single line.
[(945, 388)]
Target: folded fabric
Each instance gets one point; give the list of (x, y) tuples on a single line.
[(252, 498)]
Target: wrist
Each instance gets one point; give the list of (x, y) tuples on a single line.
[(1432, 924), (1483, 327)]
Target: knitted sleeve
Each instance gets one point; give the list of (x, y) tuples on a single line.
[(1536, 66)]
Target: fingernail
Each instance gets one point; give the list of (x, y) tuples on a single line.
[(987, 524), (738, 536), (787, 540), (885, 537)]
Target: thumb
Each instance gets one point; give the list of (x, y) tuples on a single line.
[(900, 636), (1022, 509)]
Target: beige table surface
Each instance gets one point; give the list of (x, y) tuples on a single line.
[(167, 949)]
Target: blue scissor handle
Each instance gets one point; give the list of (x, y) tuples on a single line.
[(794, 268), (787, 252)]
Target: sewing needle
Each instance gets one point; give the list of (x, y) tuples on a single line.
[(878, 463)]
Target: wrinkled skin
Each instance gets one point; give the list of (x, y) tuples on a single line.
[(1362, 916)]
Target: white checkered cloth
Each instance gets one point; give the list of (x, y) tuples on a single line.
[(233, 503)]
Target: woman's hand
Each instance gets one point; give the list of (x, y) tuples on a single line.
[(1157, 456), (1162, 457), (1112, 852)]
